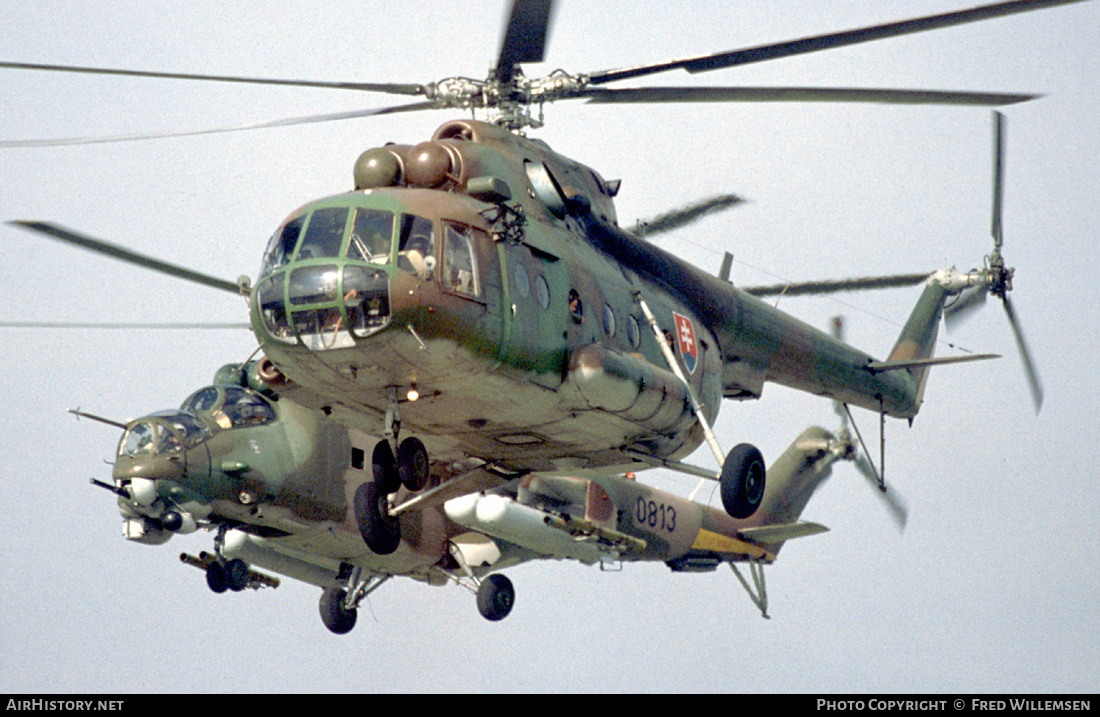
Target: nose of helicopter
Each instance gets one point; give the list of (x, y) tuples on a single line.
[(326, 305), (345, 268), (153, 451)]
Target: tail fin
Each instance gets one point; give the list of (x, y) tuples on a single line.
[(917, 340), (911, 357), (795, 475), (791, 482)]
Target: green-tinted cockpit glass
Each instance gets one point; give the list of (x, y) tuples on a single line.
[(163, 433), (269, 297), (314, 284), (416, 248), (371, 238), (282, 245), (324, 233)]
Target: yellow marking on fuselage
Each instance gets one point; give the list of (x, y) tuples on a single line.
[(718, 543)]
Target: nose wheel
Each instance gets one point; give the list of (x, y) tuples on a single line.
[(222, 574), (228, 575), (495, 597), (412, 464)]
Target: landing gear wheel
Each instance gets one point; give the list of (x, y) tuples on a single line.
[(495, 597), (384, 467), (336, 617), (216, 578), (742, 481), (381, 532), (236, 575), (412, 464)]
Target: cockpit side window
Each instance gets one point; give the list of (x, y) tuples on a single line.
[(167, 443), (139, 440), (416, 251), (459, 259), (229, 406), (282, 245), (371, 236), (324, 233), (202, 401), (246, 409)]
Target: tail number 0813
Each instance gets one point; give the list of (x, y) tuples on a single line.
[(654, 515)]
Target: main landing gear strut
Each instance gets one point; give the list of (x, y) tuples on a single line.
[(743, 473), (410, 468)]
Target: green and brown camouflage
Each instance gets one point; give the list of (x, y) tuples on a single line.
[(467, 360), (520, 329), (279, 480)]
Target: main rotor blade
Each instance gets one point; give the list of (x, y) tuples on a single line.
[(1025, 356), (685, 215), (388, 87), (131, 257), (525, 36), (832, 287), (121, 325), (998, 177), (720, 60), (801, 94), (289, 122)]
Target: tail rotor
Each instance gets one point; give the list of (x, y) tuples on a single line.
[(996, 277)]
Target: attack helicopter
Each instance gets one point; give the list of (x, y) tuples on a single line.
[(473, 318), (288, 489)]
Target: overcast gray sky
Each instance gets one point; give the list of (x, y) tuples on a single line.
[(992, 586)]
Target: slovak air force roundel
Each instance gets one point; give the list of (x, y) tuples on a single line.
[(685, 339)]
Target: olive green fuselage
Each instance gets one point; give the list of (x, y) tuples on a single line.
[(282, 479), (479, 285)]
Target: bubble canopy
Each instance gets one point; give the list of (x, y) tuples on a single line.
[(163, 433)]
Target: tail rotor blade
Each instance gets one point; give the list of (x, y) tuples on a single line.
[(1025, 356), (998, 177), (969, 301), (894, 503)]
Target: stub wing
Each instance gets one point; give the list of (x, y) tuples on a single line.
[(781, 533)]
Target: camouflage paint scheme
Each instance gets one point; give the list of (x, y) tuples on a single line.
[(510, 381), (495, 315), (284, 487)]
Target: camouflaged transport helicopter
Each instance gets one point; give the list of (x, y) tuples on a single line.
[(466, 359)]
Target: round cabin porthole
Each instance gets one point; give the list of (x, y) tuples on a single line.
[(633, 332), (608, 321), (542, 291)]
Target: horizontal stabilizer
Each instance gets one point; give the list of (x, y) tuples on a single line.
[(877, 366), (719, 543), (779, 533)]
